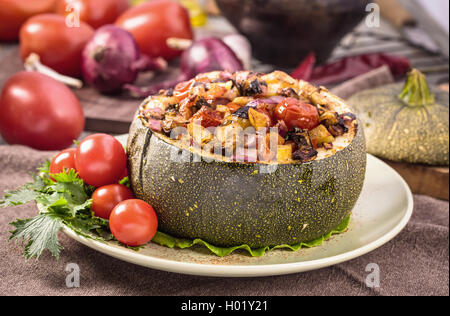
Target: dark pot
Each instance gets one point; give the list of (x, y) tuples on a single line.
[(283, 32)]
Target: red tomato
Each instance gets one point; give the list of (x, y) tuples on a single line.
[(14, 13), (152, 23), (297, 114), (182, 89), (96, 13), (133, 222), (105, 199), (208, 117), (65, 160), (39, 112), (233, 107), (100, 160), (58, 45)]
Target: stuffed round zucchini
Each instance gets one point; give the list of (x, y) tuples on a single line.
[(247, 158)]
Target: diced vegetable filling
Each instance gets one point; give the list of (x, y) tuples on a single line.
[(250, 116)]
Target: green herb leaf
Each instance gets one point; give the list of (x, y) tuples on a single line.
[(21, 196), (37, 234), (62, 199)]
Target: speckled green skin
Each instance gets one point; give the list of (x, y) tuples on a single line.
[(229, 204), (397, 132)]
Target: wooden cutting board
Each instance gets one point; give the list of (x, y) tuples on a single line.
[(426, 180)]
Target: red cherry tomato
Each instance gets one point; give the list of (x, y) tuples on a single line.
[(39, 112), (133, 222), (233, 107), (105, 199), (182, 89), (100, 160), (58, 45), (96, 13), (152, 23), (207, 117), (297, 114), (13, 13), (65, 160)]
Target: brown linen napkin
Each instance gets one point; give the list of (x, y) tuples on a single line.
[(416, 262)]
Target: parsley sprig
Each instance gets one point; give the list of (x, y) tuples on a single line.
[(63, 200)]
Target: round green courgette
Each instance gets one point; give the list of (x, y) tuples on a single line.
[(406, 122), (230, 204)]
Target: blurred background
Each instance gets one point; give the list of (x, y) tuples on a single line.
[(282, 33)]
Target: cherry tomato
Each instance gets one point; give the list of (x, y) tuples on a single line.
[(100, 160), (14, 13), (105, 199), (233, 107), (96, 13), (182, 89), (208, 117), (65, 160), (133, 222), (297, 114), (152, 23), (40, 112), (58, 45)]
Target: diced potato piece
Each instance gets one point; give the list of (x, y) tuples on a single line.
[(277, 81), (284, 153), (320, 135), (242, 101), (242, 122), (228, 135), (200, 134), (317, 98), (279, 76), (161, 102), (224, 109), (268, 151), (273, 135), (257, 119)]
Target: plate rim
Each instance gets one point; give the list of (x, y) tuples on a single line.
[(219, 270)]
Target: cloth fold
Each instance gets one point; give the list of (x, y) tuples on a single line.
[(416, 262)]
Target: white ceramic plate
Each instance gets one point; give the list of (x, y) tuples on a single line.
[(382, 211)]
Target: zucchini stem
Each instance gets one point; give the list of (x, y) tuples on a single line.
[(416, 92)]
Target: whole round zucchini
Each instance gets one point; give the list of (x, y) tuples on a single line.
[(406, 122), (234, 203)]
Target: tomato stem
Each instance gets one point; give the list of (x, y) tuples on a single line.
[(33, 63)]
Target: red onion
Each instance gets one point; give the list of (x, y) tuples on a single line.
[(111, 59), (275, 100), (205, 55), (155, 125), (241, 47)]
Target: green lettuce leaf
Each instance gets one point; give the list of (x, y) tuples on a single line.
[(172, 242)]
